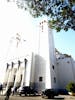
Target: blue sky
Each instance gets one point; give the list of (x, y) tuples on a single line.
[(65, 42)]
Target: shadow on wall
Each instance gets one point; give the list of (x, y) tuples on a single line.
[(40, 62), (40, 71)]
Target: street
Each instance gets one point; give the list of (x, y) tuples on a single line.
[(38, 98)]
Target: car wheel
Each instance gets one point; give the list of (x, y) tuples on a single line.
[(34, 94), (20, 94), (50, 96), (42, 95), (25, 94)]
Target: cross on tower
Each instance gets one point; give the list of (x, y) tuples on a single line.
[(18, 38), (42, 24)]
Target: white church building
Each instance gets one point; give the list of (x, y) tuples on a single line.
[(42, 67), (37, 63), (38, 67)]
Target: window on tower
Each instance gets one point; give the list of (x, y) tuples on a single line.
[(54, 79), (40, 79), (53, 66)]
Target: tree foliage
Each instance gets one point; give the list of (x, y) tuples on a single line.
[(71, 87), (61, 13)]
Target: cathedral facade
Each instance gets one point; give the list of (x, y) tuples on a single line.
[(38, 67)]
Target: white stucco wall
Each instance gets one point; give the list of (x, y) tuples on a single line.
[(11, 75), (18, 76), (65, 71), (6, 76)]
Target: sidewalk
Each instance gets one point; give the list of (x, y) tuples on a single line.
[(67, 97), (60, 97)]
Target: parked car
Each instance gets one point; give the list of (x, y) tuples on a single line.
[(26, 90), (50, 93), (62, 91)]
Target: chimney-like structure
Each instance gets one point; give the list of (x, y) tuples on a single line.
[(11, 75), (18, 76), (24, 73), (6, 75)]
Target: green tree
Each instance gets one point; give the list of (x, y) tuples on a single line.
[(71, 87), (61, 13)]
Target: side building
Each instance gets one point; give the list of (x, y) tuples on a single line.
[(66, 69)]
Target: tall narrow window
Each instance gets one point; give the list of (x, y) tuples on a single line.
[(54, 79), (53, 66), (14, 77), (21, 77), (40, 79)]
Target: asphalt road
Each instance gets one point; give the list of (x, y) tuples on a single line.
[(38, 98)]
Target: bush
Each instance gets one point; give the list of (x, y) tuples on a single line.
[(71, 87)]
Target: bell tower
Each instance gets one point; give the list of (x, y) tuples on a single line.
[(45, 71)]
